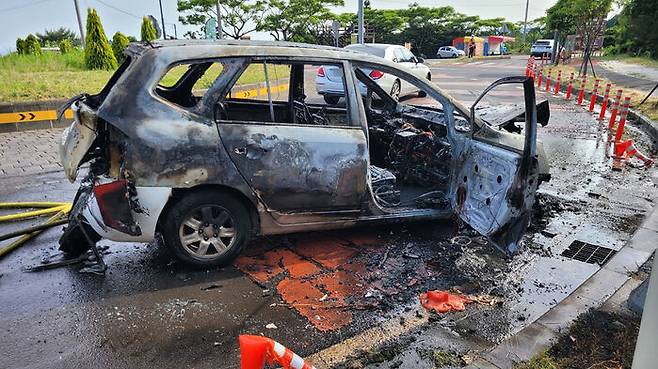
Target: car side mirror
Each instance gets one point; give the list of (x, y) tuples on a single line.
[(420, 60), (395, 60)]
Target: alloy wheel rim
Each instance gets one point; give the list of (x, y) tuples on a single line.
[(207, 232), (395, 91)]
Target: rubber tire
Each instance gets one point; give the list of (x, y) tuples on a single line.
[(397, 81), (331, 100), (455, 56), (423, 93), (176, 214)]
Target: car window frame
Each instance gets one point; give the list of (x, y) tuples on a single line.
[(349, 92)]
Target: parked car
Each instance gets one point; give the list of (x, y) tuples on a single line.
[(209, 168), (449, 52), (331, 87), (542, 47)]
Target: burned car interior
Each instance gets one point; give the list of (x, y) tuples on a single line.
[(410, 155)]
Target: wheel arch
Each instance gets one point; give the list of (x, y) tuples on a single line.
[(178, 193)]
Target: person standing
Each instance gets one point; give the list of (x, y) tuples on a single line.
[(471, 47)]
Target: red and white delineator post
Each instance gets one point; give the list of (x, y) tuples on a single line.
[(604, 104), (569, 87), (594, 95), (256, 350), (557, 83), (581, 93), (626, 149), (615, 108), (548, 79)]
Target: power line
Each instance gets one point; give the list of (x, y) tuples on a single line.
[(119, 9), (23, 6)]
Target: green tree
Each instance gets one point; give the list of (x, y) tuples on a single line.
[(148, 30), (52, 37), (20, 46), (119, 43), (65, 46), (290, 20), (239, 17), (32, 45), (642, 24), (560, 18), (590, 21), (98, 53)]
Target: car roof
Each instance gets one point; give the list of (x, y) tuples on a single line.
[(174, 50), (373, 49)]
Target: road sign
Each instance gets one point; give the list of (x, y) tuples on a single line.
[(211, 29)]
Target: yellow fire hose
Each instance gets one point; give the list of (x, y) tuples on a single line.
[(60, 209)]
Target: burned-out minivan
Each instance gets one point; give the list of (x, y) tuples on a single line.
[(212, 143)]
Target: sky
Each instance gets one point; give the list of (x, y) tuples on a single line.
[(18, 18)]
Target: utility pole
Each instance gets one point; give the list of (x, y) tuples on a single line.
[(164, 33), (220, 34), (82, 29), (525, 21), (361, 39)]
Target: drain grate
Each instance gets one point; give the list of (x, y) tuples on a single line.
[(588, 253)]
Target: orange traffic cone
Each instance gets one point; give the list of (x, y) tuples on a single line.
[(255, 350)]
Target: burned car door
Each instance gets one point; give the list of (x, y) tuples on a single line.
[(495, 183), (298, 153)]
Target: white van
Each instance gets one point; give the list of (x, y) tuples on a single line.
[(541, 47)]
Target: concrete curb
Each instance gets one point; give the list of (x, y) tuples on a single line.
[(539, 335)]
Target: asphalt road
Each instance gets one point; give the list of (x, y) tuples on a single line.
[(149, 311)]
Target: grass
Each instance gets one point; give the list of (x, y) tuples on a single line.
[(648, 108), (596, 340), (56, 76)]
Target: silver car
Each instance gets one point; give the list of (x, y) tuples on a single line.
[(449, 52), (330, 86)]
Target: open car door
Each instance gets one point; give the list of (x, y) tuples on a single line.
[(495, 183)]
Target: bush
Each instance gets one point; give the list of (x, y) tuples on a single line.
[(98, 53), (20, 46), (119, 43), (148, 30), (32, 45), (65, 46)]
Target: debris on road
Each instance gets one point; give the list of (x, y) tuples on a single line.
[(443, 301)]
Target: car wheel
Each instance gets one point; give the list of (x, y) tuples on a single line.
[(331, 100), (395, 90), (206, 228), (454, 56), (438, 56), (423, 93)]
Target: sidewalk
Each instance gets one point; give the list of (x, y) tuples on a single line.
[(627, 75), (29, 152)]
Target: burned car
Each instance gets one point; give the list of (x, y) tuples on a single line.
[(209, 144)]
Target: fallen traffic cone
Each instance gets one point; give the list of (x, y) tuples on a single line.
[(255, 350), (626, 150)]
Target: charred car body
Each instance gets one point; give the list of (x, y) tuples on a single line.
[(249, 153)]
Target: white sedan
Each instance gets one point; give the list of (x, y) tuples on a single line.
[(449, 52), (329, 82)]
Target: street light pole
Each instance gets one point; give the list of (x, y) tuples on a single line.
[(361, 31), (525, 21), (220, 34), (164, 34), (82, 30)]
